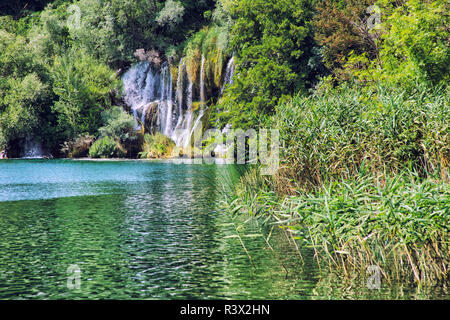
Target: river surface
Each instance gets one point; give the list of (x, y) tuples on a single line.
[(146, 230)]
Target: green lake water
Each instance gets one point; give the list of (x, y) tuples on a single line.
[(145, 230)]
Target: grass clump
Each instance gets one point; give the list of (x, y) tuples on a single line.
[(157, 146), (106, 147)]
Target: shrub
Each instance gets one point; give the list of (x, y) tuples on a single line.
[(156, 146), (106, 147)]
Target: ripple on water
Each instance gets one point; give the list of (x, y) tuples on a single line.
[(137, 230)]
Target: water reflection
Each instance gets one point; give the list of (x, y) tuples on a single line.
[(145, 230)]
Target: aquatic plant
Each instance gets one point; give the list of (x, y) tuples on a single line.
[(399, 224)]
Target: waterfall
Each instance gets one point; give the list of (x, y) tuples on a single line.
[(179, 92), (229, 73), (32, 149), (184, 138), (145, 85), (165, 101), (202, 82)]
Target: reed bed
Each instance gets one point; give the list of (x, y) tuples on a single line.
[(364, 181), (331, 134), (400, 224)]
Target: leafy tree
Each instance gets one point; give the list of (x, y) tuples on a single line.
[(171, 15), (341, 28), (273, 44), (112, 30), (414, 46), (83, 86), (23, 90), (119, 125)]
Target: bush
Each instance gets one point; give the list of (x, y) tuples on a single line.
[(106, 147), (156, 146)]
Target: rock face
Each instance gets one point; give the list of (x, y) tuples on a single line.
[(151, 118), (148, 116)]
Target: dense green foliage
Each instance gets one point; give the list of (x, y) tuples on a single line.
[(106, 147), (119, 125), (274, 46), (113, 30), (23, 89), (341, 28), (358, 90), (157, 146), (413, 45)]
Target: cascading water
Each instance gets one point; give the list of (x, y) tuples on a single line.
[(32, 149), (202, 103), (140, 83), (229, 74), (179, 91), (146, 86), (183, 138), (202, 82)]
